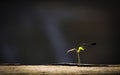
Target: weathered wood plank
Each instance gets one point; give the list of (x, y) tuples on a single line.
[(57, 70)]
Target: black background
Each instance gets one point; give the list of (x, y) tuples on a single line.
[(24, 40)]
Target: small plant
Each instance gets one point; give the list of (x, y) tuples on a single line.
[(77, 51), (80, 48)]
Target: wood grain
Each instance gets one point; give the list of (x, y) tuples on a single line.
[(57, 70)]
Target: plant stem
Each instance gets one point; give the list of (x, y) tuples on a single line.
[(78, 58)]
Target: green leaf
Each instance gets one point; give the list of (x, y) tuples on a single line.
[(80, 48)]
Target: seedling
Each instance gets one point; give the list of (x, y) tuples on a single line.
[(80, 48)]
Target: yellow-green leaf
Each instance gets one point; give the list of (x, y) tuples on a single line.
[(80, 48)]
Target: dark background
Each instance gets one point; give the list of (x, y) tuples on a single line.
[(41, 32)]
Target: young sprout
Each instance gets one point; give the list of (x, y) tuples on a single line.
[(80, 48)]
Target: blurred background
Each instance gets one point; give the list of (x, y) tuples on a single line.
[(40, 32)]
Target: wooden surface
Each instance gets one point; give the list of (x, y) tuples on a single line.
[(57, 70)]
